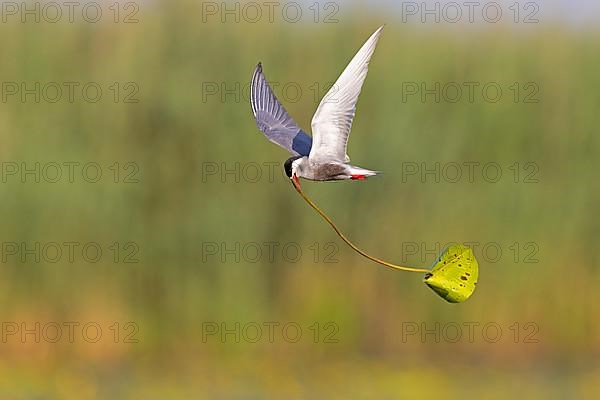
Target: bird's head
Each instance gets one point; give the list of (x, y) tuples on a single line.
[(291, 167)]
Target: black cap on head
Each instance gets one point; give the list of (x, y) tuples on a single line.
[(287, 165)]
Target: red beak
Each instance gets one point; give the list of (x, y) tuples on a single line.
[(296, 181)]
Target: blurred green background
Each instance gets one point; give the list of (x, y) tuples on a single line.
[(367, 332)]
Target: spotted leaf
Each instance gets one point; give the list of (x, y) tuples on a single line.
[(454, 275)]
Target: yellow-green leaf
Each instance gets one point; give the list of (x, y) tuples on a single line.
[(454, 275)]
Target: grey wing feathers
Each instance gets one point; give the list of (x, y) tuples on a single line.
[(273, 120), (332, 121)]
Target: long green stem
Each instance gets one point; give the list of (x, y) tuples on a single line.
[(348, 242)]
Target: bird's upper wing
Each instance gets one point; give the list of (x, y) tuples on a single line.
[(273, 120), (332, 121)]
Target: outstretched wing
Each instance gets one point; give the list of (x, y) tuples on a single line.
[(332, 121), (273, 120)]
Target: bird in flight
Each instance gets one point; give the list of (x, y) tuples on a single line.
[(322, 157)]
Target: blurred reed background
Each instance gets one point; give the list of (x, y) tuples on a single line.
[(182, 128)]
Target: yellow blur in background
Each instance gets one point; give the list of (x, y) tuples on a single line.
[(152, 246)]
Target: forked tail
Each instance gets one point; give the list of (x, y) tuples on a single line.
[(358, 173)]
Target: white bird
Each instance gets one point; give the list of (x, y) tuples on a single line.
[(324, 157)]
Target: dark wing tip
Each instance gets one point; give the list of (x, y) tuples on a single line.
[(257, 72), (256, 77)]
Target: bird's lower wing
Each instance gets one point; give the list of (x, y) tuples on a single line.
[(273, 120)]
